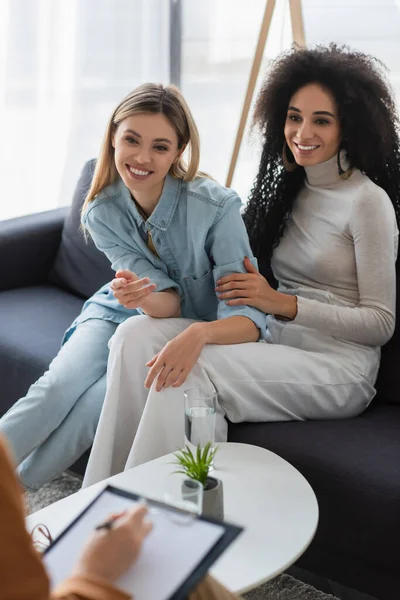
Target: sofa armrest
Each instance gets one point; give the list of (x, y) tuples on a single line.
[(28, 247)]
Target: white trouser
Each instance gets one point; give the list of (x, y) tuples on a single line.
[(254, 381)]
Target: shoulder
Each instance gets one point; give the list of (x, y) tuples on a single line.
[(107, 202), (370, 202), (210, 191), (367, 195)]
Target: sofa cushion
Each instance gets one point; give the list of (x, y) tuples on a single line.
[(32, 324), (79, 266), (353, 466)]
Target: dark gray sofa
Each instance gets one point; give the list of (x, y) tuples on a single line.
[(46, 272)]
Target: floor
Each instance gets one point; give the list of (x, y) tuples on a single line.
[(327, 586)]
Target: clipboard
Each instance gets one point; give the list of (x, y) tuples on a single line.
[(175, 557)]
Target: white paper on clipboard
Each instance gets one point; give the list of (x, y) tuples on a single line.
[(171, 552)]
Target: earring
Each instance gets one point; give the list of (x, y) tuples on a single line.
[(342, 173), (288, 159)]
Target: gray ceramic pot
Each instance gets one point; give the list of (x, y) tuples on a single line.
[(213, 499)]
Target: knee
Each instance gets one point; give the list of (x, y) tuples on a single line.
[(141, 328), (133, 329)]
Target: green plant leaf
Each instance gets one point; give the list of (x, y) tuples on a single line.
[(195, 465)]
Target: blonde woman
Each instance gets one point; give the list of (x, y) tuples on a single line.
[(170, 232)]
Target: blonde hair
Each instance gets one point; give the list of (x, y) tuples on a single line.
[(150, 98)]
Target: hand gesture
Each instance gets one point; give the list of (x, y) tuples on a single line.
[(129, 290), (249, 288), (253, 289), (109, 553), (173, 364)]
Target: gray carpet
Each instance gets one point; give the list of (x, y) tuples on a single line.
[(59, 488), (282, 587)]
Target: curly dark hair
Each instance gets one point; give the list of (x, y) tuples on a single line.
[(369, 125)]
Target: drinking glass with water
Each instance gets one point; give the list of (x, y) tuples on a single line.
[(200, 414)]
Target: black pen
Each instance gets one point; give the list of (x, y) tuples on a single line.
[(106, 525), (110, 522)]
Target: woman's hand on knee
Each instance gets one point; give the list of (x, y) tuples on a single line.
[(110, 552), (172, 365)]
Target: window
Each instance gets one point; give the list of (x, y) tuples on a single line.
[(63, 67)]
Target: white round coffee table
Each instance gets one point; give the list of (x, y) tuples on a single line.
[(262, 492), (276, 506)]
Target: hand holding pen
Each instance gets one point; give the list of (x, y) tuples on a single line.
[(110, 521), (108, 524), (115, 545)]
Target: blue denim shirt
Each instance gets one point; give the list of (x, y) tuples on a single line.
[(199, 236)]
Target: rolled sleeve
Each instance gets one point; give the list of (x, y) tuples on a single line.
[(229, 244), (123, 255)]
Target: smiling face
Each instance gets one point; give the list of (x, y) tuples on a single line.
[(312, 129), (146, 145)]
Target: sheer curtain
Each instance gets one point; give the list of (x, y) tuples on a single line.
[(63, 66)]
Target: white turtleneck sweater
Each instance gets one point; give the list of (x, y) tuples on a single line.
[(338, 256)]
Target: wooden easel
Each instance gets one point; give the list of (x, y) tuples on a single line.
[(296, 15)]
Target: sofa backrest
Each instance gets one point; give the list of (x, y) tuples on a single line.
[(79, 267)]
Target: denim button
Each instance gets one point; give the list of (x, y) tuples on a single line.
[(163, 223)]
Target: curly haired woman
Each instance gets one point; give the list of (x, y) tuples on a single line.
[(323, 217)]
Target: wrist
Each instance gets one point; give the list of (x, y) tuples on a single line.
[(287, 306), (202, 331)]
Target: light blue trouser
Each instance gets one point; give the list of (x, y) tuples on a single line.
[(56, 421)]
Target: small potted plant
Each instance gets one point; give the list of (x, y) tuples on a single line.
[(196, 466)]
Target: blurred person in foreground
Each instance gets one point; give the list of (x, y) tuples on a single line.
[(106, 556)]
